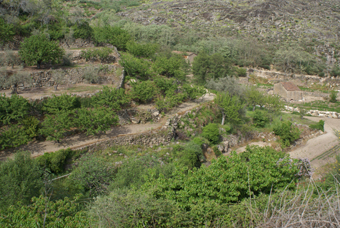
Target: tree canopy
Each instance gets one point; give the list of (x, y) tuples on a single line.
[(38, 49)]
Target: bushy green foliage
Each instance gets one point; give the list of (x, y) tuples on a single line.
[(173, 66), (43, 212), (112, 98), (231, 107), (82, 30), (192, 91), (63, 102), (20, 180), (228, 179), (211, 132), (132, 209), (226, 84), (254, 97), (210, 67), (13, 136), (143, 91), (165, 85), (131, 173), (99, 53), (55, 161), (55, 127), (260, 118), (13, 108), (6, 31), (112, 35), (31, 126), (288, 133), (318, 126), (135, 67), (94, 121), (146, 50), (93, 175), (333, 96), (241, 72), (90, 121), (38, 49)]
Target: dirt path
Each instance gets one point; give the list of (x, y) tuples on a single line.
[(81, 140), (322, 149)]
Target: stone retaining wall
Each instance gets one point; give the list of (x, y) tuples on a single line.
[(318, 113)]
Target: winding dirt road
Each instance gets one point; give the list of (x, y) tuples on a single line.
[(81, 140), (321, 150)]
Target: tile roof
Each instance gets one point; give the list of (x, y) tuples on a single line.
[(290, 86)]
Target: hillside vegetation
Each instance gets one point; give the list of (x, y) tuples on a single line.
[(196, 179)]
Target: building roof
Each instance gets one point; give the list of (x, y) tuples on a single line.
[(290, 86)]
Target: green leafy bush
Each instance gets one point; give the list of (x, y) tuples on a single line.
[(13, 136), (211, 132), (228, 179), (31, 126), (7, 31), (143, 91), (142, 50), (241, 72), (92, 175), (174, 66), (135, 67), (333, 96), (318, 126), (63, 102), (99, 53), (13, 108), (38, 49), (287, 132), (112, 35), (111, 98), (165, 85), (55, 161), (94, 121), (193, 91), (82, 30), (20, 180), (260, 118), (61, 213)]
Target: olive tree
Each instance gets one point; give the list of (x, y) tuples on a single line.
[(13, 79)]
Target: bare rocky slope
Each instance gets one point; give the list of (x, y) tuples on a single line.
[(269, 21)]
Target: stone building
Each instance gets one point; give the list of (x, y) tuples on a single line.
[(288, 91)]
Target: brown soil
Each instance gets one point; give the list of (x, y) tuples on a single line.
[(316, 149), (81, 140)]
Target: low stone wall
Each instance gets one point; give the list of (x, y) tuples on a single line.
[(298, 79), (317, 113)]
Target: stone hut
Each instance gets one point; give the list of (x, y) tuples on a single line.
[(288, 91), (189, 56)]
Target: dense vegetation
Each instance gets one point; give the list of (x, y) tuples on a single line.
[(174, 185)]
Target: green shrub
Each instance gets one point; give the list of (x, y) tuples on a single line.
[(112, 35), (260, 118), (13, 108), (20, 180), (211, 132), (175, 66), (55, 161), (217, 151), (143, 91), (333, 96), (82, 30), (287, 132), (135, 67), (63, 102), (318, 126), (13, 136), (165, 85), (111, 98), (99, 53), (192, 91), (189, 155), (241, 72), (31, 126), (142, 50)]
